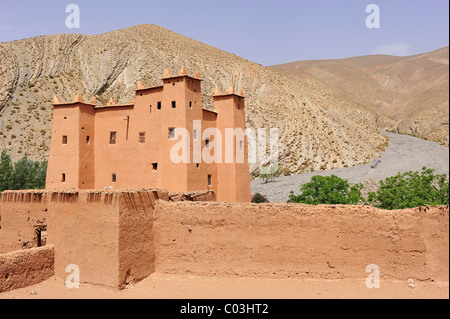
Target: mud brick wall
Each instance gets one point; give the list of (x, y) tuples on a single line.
[(107, 234), (26, 267), (286, 240), (24, 214)]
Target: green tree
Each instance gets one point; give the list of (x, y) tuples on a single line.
[(328, 190), (6, 171), (29, 174), (24, 174), (411, 189)]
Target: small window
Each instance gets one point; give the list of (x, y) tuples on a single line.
[(190, 104), (65, 117), (142, 137), (87, 139), (63, 178), (155, 166), (64, 139), (114, 178), (207, 142), (171, 133), (150, 109), (209, 180), (174, 104), (198, 165), (112, 137), (159, 106)]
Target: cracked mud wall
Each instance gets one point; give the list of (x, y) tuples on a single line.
[(284, 240), (26, 267)]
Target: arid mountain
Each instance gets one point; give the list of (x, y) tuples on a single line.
[(405, 94), (316, 130)]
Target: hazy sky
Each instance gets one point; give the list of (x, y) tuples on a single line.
[(263, 31)]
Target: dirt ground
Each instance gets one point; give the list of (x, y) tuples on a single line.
[(163, 286)]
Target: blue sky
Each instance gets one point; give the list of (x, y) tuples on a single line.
[(264, 31)]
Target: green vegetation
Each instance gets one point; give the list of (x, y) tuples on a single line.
[(407, 190), (411, 189), (23, 174), (258, 198), (328, 190)]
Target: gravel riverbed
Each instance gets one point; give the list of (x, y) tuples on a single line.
[(405, 153)]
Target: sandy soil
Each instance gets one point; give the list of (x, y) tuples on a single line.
[(163, 286)]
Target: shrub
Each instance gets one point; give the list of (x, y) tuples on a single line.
[(411, 189), (328, 190), (24, 174), (258, 198)]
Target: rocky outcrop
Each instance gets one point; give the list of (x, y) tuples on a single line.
[(315, 131)]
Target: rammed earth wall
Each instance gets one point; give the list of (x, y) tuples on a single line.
[(119, 236), (293, 240)]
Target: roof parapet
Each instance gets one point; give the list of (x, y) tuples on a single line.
[(56, 100), (183, 71), (167, 74), (78, 98), (111, 102)]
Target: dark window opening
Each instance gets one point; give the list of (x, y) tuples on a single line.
[(159, 106), (198, 165), (173, 84), (150, 109), (190, 104), (112, 137), (63, 178), (65, 117), (87, 139), (171, 133), (142, 137), (174, 104), (209, 180), (41, 236), (207, 143), (114, 178), (155, 166), (38, 238), (64, 139)]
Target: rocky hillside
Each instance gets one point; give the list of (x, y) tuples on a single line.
[(316, 130), (408, 95)]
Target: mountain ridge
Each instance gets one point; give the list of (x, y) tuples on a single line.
[(409, 93), (316, 130)]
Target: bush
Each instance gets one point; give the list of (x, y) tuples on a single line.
[(258, 198), (328, 190), (411, 189), (24, 174)]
